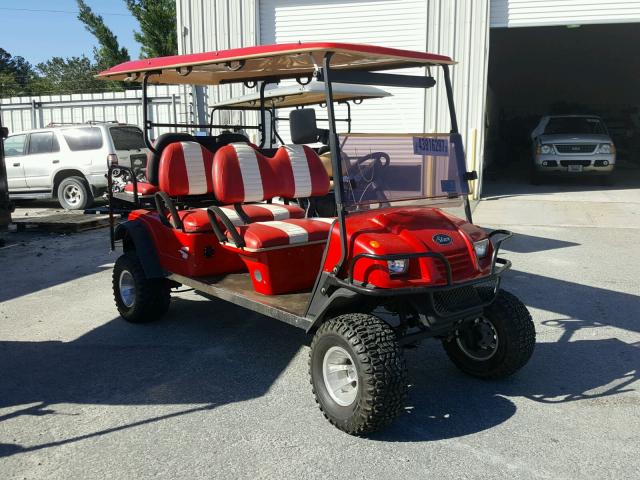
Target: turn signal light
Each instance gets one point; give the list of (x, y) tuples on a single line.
[(112, 159)]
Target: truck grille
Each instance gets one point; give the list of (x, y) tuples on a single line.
[(576, 148), (566, 163)]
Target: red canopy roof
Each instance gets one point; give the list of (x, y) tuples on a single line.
[(276, 61)]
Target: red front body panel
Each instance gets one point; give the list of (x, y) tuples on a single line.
[(409, 230)]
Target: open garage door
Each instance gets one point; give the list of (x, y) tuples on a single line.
[(575, 69)]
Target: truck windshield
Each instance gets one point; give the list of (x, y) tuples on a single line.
[(127, 138), (574, 125), (379, 169)]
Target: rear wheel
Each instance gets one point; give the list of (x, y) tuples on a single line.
[(497, 343), (358, 373), (74, 194), (138, 298)]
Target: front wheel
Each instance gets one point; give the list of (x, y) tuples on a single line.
[(496, 344), (358, 373), (139, 299)]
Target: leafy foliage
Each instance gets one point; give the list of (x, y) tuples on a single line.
[(16, 75), (109, 52), (157, 19)]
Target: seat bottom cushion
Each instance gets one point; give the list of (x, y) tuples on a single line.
[(280, 233), (197, 220), (144, 188)]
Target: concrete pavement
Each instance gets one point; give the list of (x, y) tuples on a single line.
[(213, 391)]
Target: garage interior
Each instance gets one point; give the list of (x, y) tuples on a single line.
[(573, 69)]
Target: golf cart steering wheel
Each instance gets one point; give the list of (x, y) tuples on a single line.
[(364, 173)]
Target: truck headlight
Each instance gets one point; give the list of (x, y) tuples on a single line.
[(481, 248), (605, 148), (397, 267), (546, 149)]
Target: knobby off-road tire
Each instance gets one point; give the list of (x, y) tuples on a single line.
[(138, 298), (515, 340), (376, 364)]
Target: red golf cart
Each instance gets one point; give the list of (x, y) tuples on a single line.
[(384, 266)]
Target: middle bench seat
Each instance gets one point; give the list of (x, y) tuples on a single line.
[(281, 256)]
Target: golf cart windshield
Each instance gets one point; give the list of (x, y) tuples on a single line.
[(574, 125), (379, 169)]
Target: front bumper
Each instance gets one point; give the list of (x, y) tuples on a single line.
[(451, 300), (575, 164)]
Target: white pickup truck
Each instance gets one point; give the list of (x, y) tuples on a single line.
[(70, 162)]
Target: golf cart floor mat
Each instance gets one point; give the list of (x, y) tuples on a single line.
[(237, 288)]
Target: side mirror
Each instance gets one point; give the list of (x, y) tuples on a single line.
[(4, 132), (303, 126)]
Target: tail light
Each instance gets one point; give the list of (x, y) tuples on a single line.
[(112, 159)]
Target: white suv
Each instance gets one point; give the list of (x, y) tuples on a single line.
[(70, 162)]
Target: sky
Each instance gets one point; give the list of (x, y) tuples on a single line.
[(40, 29)]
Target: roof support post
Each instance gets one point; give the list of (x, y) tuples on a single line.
[(336, 164), (454, 129), (145, 111)]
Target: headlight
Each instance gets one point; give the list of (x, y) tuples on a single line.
[(605, 148), (481, 248), (546, 149), (396, 267)]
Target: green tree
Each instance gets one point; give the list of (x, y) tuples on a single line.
[(109, 52), (157, 19), (70, 75), (16, 75)]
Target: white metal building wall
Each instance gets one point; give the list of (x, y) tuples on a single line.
[(458, 28), (25, 113), (208, 25), (529, 13)]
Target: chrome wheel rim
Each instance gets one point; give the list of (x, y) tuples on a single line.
[(479, 341), (127, 289), (340, 376), (72, 194)]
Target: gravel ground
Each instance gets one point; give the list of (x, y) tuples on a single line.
[(213, 391)]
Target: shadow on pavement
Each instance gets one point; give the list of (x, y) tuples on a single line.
[(186, 358), (445, 403), (522, 243), (190, 358), (40, 261)]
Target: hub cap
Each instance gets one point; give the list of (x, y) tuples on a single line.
[(340, 376), (72, 194), (479, 341), (127, 289)]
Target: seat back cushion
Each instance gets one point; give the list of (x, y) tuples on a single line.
[(242, 174), (185, 169), (153, 158)]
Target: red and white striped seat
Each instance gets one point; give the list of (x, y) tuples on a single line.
[(186, 169), (241, 174), (196, 220), (279, 233)]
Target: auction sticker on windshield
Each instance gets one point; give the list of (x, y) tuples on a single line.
[(435, 147)]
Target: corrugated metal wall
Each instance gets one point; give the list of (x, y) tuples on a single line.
[(208, 25), (25, 113), (528, 13), (458, 28)]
